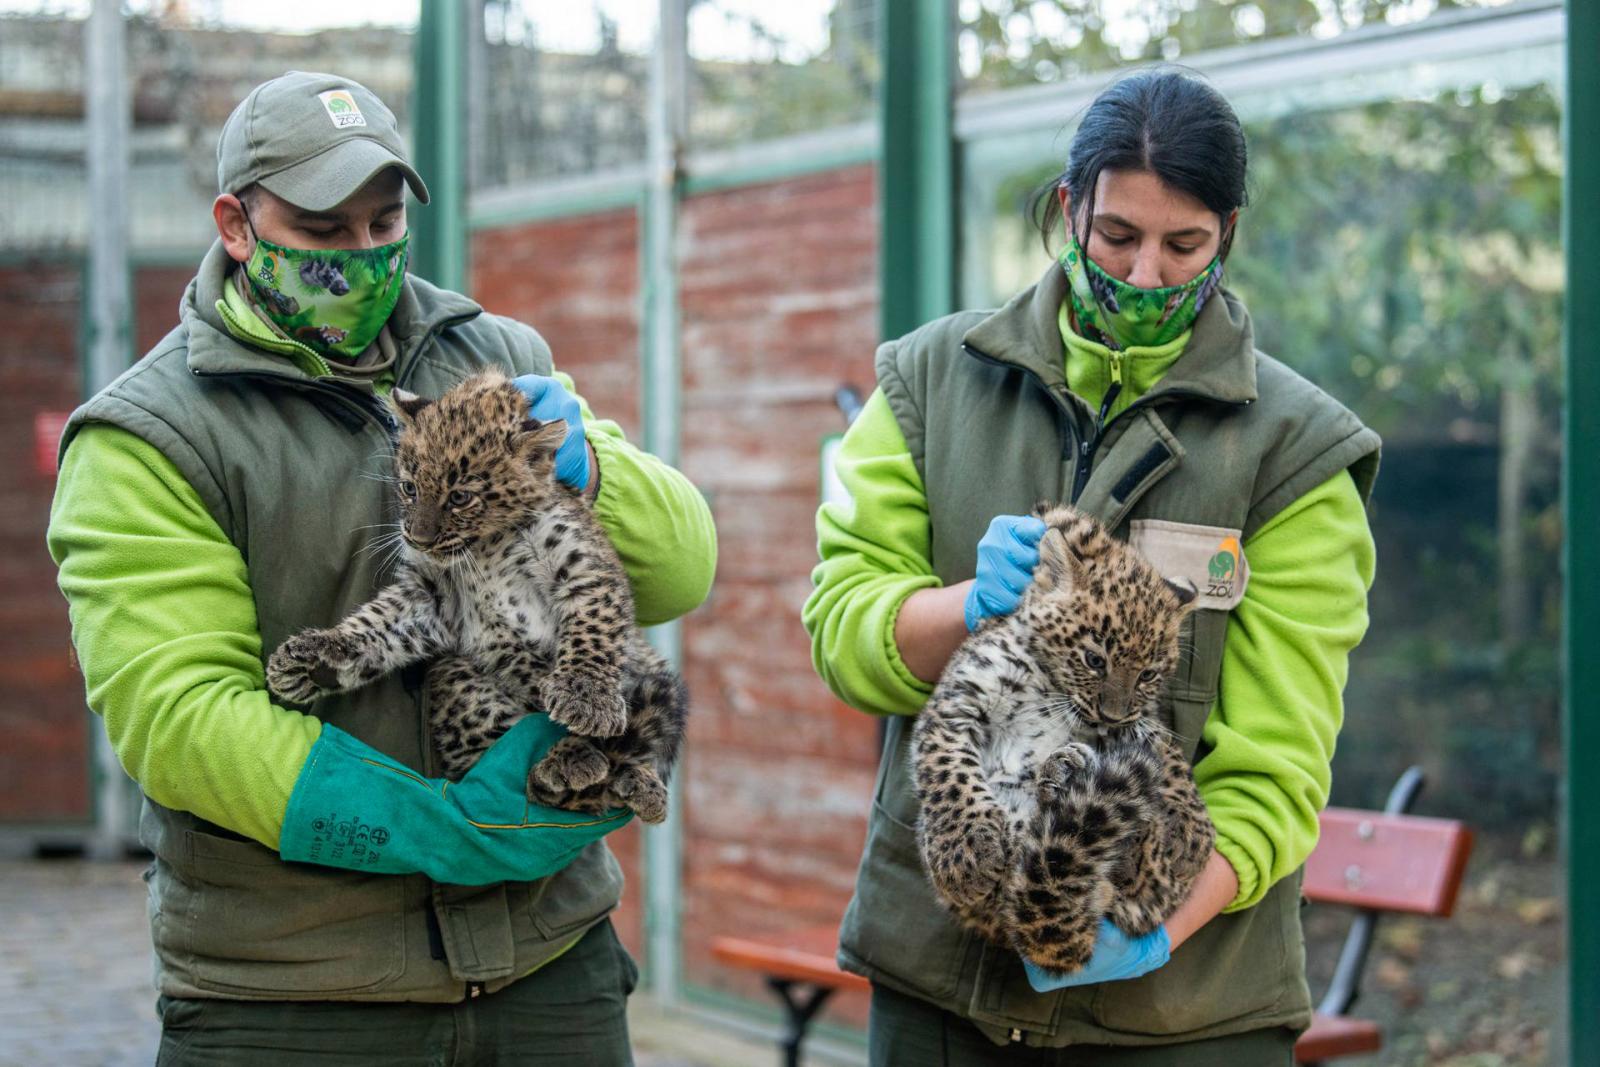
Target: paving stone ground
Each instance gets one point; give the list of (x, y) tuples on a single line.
[(75, 978)]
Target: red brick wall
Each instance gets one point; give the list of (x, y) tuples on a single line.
[(44, 755), (577, 282), (779, 306)]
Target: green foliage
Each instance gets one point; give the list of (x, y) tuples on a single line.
[(1024, 42)]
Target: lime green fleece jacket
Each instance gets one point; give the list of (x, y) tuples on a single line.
[(1269, 740), (165, 624)]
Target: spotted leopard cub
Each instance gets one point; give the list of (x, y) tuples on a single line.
[(509, 585), (1052, 796)]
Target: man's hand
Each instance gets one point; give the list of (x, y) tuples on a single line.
[(355, 808), (1117, 957), (547, 402), (1007, 556)]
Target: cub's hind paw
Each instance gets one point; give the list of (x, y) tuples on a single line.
[(588, 705), (969, 868), (570, 765), (643, 792)]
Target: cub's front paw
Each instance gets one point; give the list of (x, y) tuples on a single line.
[(589, 705), (307, 665), (1067, 772)]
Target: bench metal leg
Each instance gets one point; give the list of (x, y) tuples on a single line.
[(801, 1002)]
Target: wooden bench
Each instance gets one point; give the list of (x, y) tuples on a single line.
[(1372, 861), (1376, 862)]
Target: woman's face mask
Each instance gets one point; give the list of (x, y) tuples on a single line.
[(335, 302), (1121, 315)]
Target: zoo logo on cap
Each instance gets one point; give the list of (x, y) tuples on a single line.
[(342, 108)]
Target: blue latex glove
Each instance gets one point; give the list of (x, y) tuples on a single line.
[(355, 808), (1116, 957), (548, 401), (1007, 556)]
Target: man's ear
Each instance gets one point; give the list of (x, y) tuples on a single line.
[(407, 406), (541, 438), (229, 215)]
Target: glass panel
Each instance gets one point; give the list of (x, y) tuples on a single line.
[(559, 89), (761, 70), (1402, 249), (1006, 43), (41, 129), (188, 65)]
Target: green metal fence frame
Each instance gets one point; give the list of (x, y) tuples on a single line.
[(1581, 520)]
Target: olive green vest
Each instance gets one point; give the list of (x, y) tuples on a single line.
[(1226, 439), (295, 472)]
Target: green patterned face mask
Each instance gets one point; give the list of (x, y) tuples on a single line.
[(1120, 315), (335, 302)]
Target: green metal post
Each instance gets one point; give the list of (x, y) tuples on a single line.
[(660, 408), (439, 111), (1581, 225), (916, 174)]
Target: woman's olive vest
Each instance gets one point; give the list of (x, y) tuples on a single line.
[(295, 472), (1222, 443)]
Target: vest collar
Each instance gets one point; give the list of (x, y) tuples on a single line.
[(1219, 363), (421, 312)]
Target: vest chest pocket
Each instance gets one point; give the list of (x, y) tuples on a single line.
[(240, 920)]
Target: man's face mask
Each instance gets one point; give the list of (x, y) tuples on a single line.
[(1120, 315), (335, 302)]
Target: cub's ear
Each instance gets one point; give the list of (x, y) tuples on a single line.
[(1060, 564), (541, 438), (406, 406), (1183, 591)]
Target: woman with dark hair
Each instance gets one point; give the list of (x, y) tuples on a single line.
[(1126, 383)]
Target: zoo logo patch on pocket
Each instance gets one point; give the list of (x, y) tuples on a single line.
[(1211, 557)]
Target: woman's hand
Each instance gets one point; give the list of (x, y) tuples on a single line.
[(1007, 556), (932, 623), (1117, 957)]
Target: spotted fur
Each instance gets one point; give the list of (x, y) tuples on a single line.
[(1052, 797), (509, 585)]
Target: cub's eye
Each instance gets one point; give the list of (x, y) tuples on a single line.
[(1148, 674), (1095, 660), (459, 497), (408, 490)]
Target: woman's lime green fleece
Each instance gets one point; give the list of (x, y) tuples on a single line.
[(1269, 740)]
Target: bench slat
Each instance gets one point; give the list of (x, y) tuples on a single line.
[(804, 955), (1332, 1036), (1405, 863)]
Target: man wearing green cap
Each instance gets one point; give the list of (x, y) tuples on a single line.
[(317, 894)]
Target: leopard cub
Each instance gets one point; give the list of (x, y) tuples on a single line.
[(1051, 795), (511, 589)]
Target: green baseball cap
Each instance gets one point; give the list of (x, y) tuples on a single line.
[(312, 139)]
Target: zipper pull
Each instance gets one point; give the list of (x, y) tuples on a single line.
[(1116, 369), (474, 989)]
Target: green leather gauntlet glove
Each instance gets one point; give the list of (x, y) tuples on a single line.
[(355, 808)]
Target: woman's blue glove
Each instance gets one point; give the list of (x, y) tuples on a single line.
[(548, 401), (355, 808), (1007, 556), (1116, 957)]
